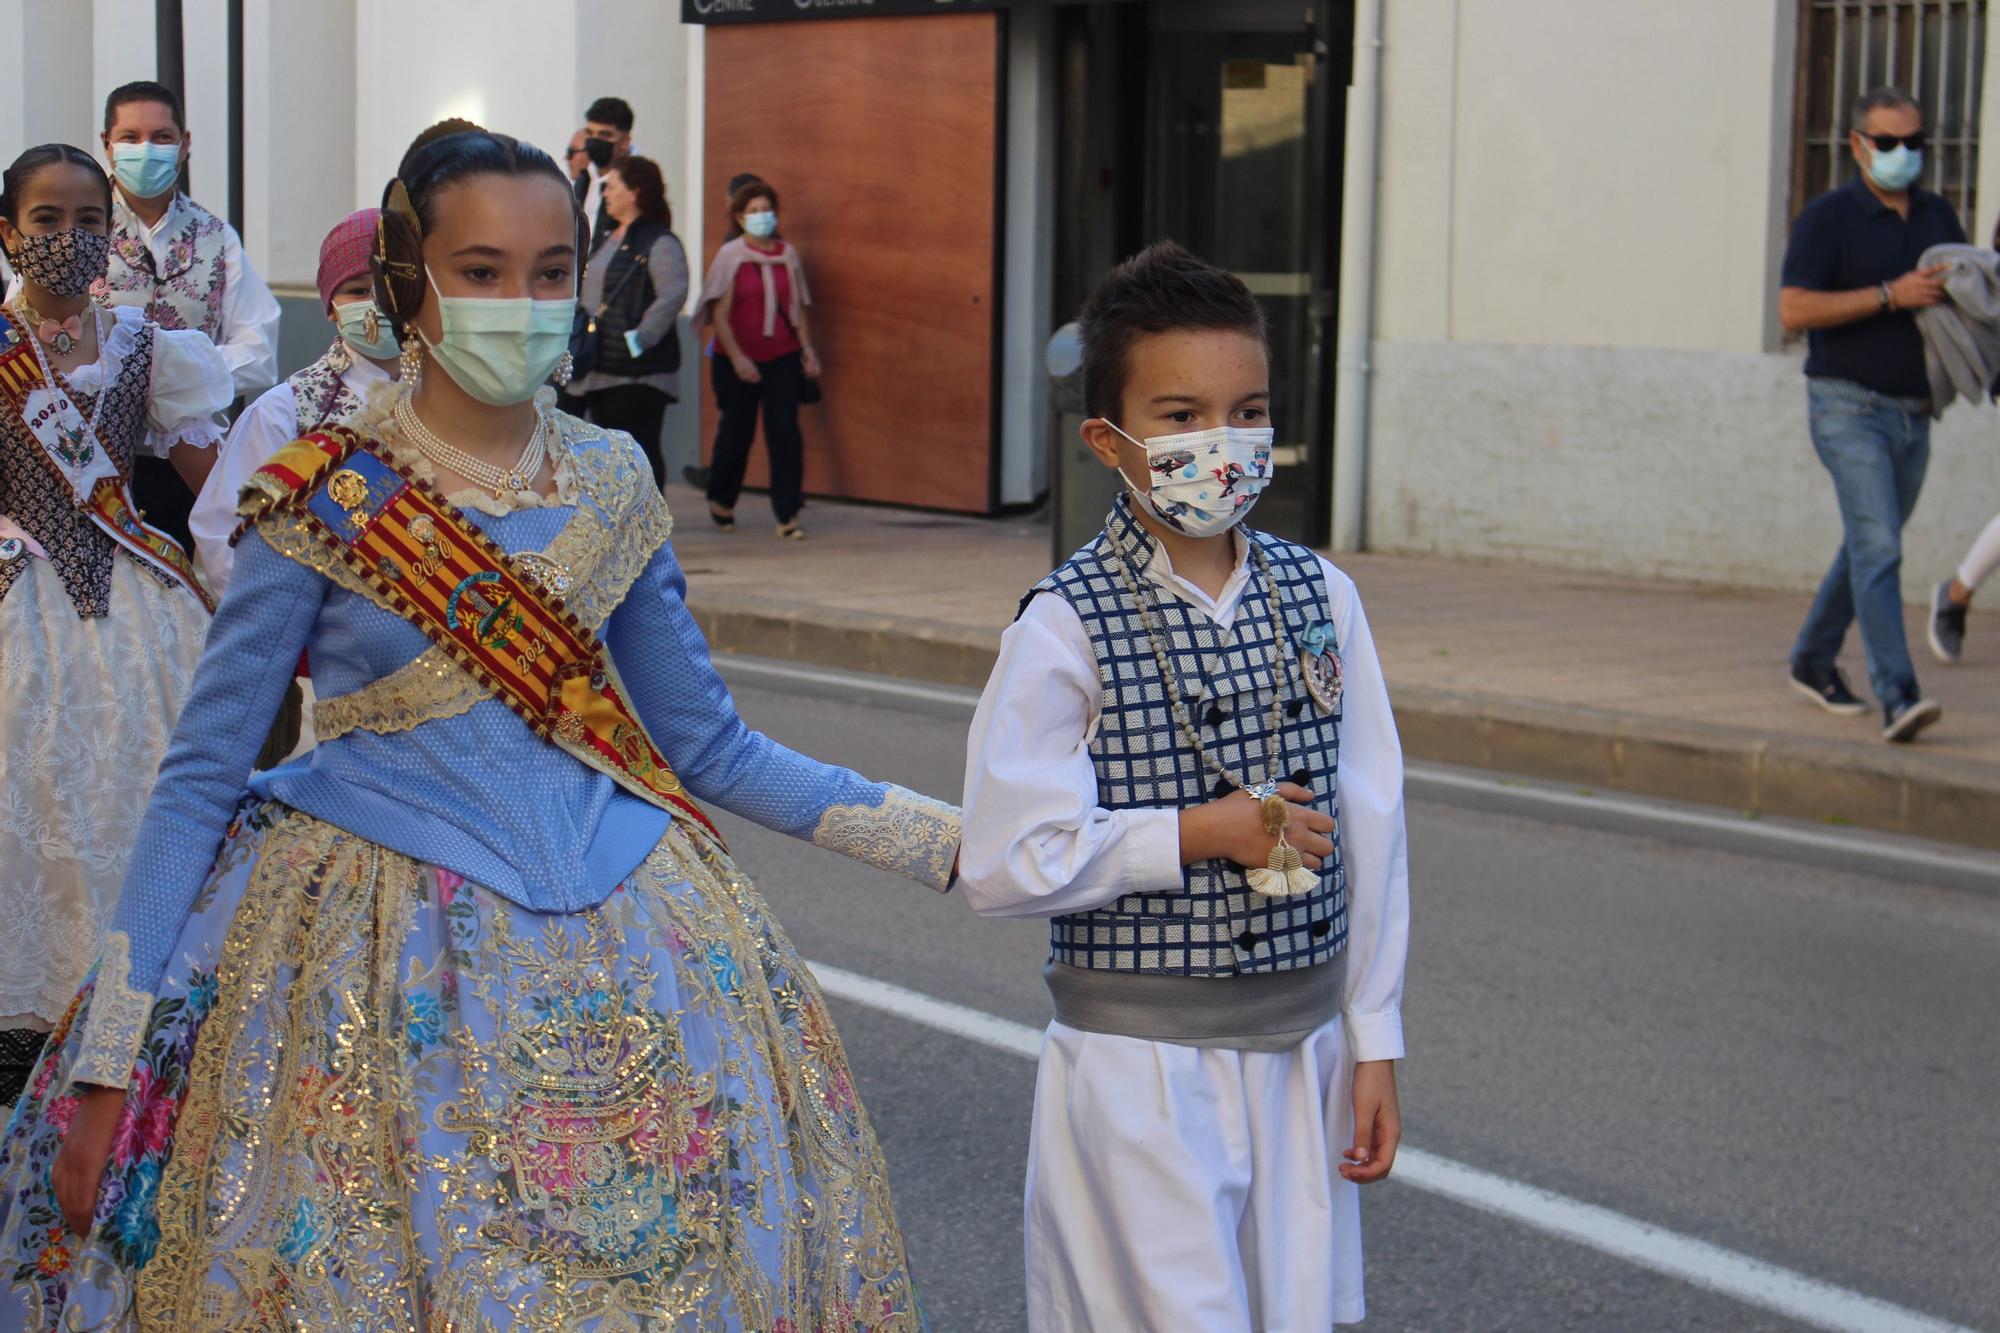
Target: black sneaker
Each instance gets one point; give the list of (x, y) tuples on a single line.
[(696, 476), (1947, 627), (1826, 687), (1902, 722)]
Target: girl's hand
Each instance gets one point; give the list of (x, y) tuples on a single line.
[(78, 1173), (1378, 1123), (812, 366), (746, 370)]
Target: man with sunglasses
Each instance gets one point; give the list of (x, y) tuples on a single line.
[(1851, 283)]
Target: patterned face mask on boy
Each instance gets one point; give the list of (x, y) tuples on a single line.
[(1204, 481)]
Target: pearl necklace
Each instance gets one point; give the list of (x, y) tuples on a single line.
[(505, 483)]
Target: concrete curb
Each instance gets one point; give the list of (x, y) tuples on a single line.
[(1869, 786)]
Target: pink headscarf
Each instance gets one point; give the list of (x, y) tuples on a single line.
[(344, 253)]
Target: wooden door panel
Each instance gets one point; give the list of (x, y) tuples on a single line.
[(881, 138)]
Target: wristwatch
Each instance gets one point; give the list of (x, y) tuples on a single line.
[(1888, 297)]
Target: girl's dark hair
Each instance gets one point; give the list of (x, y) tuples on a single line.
[(434, 162), (742, 197), (31, 164), (1159, 290), (642, 177)]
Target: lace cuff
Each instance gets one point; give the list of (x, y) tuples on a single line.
[(908, 834), (201, 432), (109, 1046)]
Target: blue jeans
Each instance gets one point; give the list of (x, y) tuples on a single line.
[(1877, 449)]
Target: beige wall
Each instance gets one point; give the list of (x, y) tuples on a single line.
[(1574, 172)]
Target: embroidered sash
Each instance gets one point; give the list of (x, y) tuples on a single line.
[(499, 617), (109, 500)]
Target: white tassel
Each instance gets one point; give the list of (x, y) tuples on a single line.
[(1283, 883)]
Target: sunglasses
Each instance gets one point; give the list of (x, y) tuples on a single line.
[(1886, 143)]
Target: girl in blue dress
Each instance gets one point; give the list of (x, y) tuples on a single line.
[(466, 1019)]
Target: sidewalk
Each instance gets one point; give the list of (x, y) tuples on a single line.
[(1659, 689)]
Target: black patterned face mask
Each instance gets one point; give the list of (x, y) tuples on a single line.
[(62, 263)]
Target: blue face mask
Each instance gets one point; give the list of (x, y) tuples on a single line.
[(1896, 169), (363, 329), (146, 170), (760, 225)]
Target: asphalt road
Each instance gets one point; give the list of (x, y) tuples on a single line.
[(1793, 1062)]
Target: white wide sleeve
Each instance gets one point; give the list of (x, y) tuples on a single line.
[(250, 314), (190, 390), (266, 426), (1036, 843), (1372, 839)]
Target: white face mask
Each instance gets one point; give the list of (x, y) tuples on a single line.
[(500, 349), (1204, 481)]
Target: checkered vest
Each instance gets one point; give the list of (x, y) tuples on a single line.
[(1215, 926)]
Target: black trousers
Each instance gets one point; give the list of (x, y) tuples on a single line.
[(638, 410), (163, 498), (778, 393)]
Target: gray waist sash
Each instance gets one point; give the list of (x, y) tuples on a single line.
[(1259, 1011)]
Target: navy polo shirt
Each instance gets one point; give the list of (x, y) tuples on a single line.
[(1848, 239)]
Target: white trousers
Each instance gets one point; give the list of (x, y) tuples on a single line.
[(1983, 558), (1176, 1189)]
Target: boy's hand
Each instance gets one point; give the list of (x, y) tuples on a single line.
[(1232, 829), (1378, 1123)]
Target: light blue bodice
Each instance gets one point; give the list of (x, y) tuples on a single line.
[(477, 792)]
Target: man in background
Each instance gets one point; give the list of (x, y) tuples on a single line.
[(607, 131)]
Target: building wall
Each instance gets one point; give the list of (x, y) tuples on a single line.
[(1577, 357)]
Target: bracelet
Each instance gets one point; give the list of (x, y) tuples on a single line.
[(1888, 297)]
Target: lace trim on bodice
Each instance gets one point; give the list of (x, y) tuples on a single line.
[(620, 520)]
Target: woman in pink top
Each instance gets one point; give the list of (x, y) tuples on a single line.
[(754, 301)]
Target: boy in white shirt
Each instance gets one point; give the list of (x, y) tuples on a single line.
[(1185, 757)]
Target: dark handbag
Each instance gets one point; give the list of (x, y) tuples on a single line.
[(586, 344), (810, 392)]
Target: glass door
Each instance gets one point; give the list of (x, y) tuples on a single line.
[(1239, 171)]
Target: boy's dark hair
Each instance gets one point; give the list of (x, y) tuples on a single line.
[(1158, 290), (143, 90), (613, 111)]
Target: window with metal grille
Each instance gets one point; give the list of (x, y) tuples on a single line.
[(1934, 50)]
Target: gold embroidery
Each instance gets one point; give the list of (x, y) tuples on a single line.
[(415, 1105), (600, 556), (908, 834), (117, 1020)]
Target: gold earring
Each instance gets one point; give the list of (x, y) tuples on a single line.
[(411, 362)]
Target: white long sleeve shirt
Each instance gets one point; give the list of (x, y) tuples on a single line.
[(1037, 843), (266, 426)]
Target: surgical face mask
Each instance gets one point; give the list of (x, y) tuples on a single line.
[(1204, 481), (499, 349), (598, 151), (760, 225), (1896, 169), (62, 263), (146, 170), (357, 318)]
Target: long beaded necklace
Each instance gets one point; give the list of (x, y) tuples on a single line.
[(1285, 874), (58, 384), (503, 482)]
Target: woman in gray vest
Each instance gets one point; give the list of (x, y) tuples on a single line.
[(633, 292)]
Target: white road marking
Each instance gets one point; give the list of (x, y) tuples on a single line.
[(1882, 853), (1696, 1262)]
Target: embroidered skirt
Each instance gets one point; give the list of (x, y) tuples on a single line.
[(375, 1096), (86, 709)]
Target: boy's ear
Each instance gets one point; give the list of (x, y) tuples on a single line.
[(1101, 440)]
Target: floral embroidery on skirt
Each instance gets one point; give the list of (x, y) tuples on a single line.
[(373, 1095)]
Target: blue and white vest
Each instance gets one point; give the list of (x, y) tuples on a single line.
[(1216, 926)]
